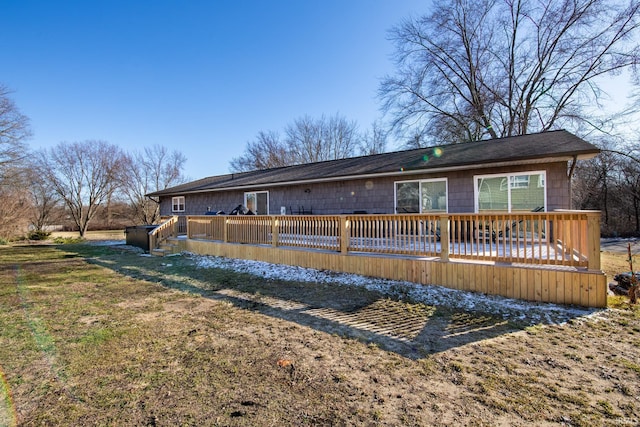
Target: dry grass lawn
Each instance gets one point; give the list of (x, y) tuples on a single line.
[(95, 335)]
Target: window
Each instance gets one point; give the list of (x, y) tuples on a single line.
[(525, 192), (421, 196), (519, 181), (515, 181), (257, 202), (177, 204)]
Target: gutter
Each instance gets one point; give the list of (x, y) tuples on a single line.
[(369, 176)]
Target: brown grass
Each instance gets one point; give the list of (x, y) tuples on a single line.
[(102, 336), (91, 235)]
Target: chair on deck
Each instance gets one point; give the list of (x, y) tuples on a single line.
[(507, 231), (303, 211)]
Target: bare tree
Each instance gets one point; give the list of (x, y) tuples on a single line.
[(153, 169), (267, 151), (327, 138), (83, 174), (340, 136), (14, 211), (493, 68), (44, 198), (626, 177), (609, 183), (306, 140), (14, 131), (374, 141), (630, 192)]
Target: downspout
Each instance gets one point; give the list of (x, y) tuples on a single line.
[(570, 176)]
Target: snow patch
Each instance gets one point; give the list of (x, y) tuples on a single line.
[(105, 242), (507, 308)]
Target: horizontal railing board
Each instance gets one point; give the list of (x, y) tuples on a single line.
[(542, 238)]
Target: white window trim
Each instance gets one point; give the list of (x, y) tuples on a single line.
[(175, 201), (508, 176), (519, 183), (420, 181), (256, 193)]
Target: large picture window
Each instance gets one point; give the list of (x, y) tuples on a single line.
[(421, 196), (257, 202), (518, 192), (177, 204)]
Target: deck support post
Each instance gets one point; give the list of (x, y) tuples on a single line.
[(593, 240), (274, 231), (444, 237), (345, 234)]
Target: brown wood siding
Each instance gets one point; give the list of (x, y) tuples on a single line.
[(373, 195)]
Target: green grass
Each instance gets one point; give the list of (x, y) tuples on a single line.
[(94, 335)]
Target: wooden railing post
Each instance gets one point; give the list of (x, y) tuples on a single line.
[(345, 234), (275, 224), (593, 240), (445, 228), (226, 230), (153, 241)]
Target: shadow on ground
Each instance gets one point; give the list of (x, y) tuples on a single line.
[(413, 330)]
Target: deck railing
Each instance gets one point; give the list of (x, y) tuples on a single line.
[(181, 225), (568, 238), (551, 238), (166, 229), (405, 234)]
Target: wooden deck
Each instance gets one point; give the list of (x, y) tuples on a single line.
[(546, 256)]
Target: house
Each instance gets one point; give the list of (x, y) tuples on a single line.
[(514, 174), (488, 216)]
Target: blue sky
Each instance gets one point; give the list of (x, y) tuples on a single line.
[(202, 77)]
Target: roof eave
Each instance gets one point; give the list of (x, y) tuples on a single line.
[(454, 168)]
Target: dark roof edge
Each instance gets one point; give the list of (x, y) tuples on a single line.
[(376, 175), (210, 184)]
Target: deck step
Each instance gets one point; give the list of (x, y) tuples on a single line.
[(159, 252), (169, 246), (166, 248)]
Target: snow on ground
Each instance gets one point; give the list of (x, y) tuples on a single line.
[(507, 308), (105, 242)]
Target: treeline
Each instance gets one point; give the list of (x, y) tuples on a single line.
[(75, 184), (610, 183), (309, 140)]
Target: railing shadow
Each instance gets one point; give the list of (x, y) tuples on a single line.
[(413, 330)]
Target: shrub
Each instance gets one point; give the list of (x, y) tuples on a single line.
[(67, 240), (39, 235)]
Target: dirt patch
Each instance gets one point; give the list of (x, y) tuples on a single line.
[(183, 345)]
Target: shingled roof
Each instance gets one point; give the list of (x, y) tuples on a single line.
[(534, 148)]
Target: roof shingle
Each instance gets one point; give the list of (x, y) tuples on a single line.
[(552, 144)]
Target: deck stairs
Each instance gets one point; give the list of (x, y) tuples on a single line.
[(167, 247)]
